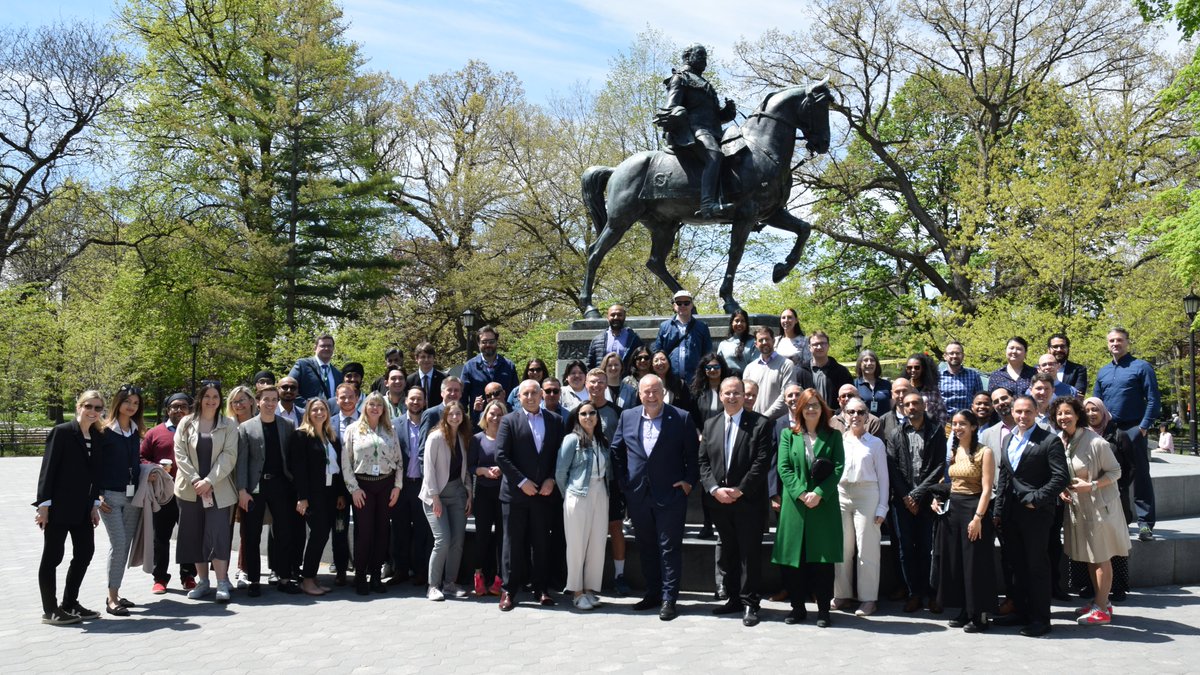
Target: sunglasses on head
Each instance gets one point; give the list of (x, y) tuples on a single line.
[(130, 389)]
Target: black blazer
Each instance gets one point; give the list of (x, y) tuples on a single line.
[(517, 456), (434, 395), (1075, 375), (70, 475), (307, 461), (1039, 477), (749, 461), (901, 479)]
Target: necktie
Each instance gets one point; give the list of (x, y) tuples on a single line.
[(325, 381), (728, 441), (425, 385)]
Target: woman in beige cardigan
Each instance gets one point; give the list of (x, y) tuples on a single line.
[(446, 492), (206, 447), (1095, 527)]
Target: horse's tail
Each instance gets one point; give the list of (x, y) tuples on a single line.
[(593, 182)]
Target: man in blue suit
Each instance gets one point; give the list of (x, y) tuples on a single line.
[(317, 375), (655, 452)]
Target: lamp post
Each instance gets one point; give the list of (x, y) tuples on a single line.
[(468, 322), (194, 340), (858, 342), (1191, 305)]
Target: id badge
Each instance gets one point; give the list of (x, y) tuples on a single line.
[(374, 469), (129, 490)]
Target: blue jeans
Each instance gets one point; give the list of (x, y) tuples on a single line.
[(914, 543)]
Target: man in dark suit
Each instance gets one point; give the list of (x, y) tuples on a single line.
[(733, 459), (317, 375), (527, 451), (347, 413), (1033, 471), (426, 376), (655, 453), (265, 482), (1069, 372), (451, 390)]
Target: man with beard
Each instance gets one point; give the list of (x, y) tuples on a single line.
[(158, 447), (617, 339), (1068, 372), (489, 366), (289, 407), (410, 533), (958, 384)]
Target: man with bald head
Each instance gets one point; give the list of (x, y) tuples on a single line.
[(655, 454), (527, 451), (846, 393), (615, 339), (894, 419)]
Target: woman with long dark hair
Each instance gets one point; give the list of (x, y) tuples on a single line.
[(206, 446), (317, 471), (582, 472), (921, 371), (574, 384), (489, 525), (808, 540), (966, 537), (120, 471), (791, 342), (536, 370), (640, 365), (675, 391), (738, 349), (446, 492), (874, 389), (68, 485)]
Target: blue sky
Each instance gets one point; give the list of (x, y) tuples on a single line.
[(549, 45)]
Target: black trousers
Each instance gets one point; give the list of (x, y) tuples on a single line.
[(810, 579), (489, 530), (556, 551), (277, 495), (526, 540), (165, 519), (340, 536), (371, 526), (739, 557), (967, 569), (83, 545), (1054, 547), (1023, 535), (321, 509), (411, 539)]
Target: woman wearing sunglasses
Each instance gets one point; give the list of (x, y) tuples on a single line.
[(583, 469)]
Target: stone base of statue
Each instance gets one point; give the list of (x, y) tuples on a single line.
[(573, 342)]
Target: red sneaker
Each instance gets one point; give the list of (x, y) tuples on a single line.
[(480, 587), (189, 583), (159, 588), (1096, 617), (496, 587)]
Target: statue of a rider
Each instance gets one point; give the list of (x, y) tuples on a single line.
[(692, 120)]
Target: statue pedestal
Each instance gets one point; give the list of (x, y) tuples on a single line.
[(573, 342)]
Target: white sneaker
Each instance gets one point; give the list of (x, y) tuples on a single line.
[(224, 591), (455, 591), (592, 598), (435, 594), (243, 580), (582, 602), (202, 589)]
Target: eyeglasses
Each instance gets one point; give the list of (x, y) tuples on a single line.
[(241, 402), (89, 406), (130, 389), (178, 406), (287, 387), (492, 341), (643, 357), (588, 414), (494, 394), (856, 412)]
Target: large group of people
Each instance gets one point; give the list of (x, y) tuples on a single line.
[(765, 423)]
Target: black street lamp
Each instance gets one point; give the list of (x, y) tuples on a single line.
[(858, 342), (194, 340), (1191, 305), (468, 322)]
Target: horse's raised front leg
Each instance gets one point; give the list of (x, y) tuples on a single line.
[(662, 238), (737, 246), (784, 220)]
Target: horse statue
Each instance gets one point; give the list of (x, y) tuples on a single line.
[(663, 192)]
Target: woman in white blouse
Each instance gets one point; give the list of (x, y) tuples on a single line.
[(862, 492), (791, 343)]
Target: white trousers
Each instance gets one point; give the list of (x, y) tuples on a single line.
[(585, 526)]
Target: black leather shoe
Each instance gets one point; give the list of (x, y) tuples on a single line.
[(646, 603), (959, 621), (668, 611), (361, 586), (254, 590), (1036, 629), (115, 610), (750, 617), (727, 608), (975, 627), (377, 585), (1013, 619), (706, 532), (290, 587), (796, 616), (507, 602)]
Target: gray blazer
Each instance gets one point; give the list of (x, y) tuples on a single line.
[(252, 450)]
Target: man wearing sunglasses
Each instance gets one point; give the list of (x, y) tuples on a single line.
[(684, 338)]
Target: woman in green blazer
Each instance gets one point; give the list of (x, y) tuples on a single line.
[(809, 538)]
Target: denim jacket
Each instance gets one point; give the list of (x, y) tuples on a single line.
[(575, 462)]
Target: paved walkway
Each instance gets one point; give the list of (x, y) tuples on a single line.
[(1157, 630)]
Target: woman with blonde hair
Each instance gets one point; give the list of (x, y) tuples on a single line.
[(317, 475), (373, 468), (485, 501), (120, 471), (67, 488), (241, 406), (446, 492), (206, 447)]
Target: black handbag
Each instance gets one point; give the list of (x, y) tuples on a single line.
[(821, 469)]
